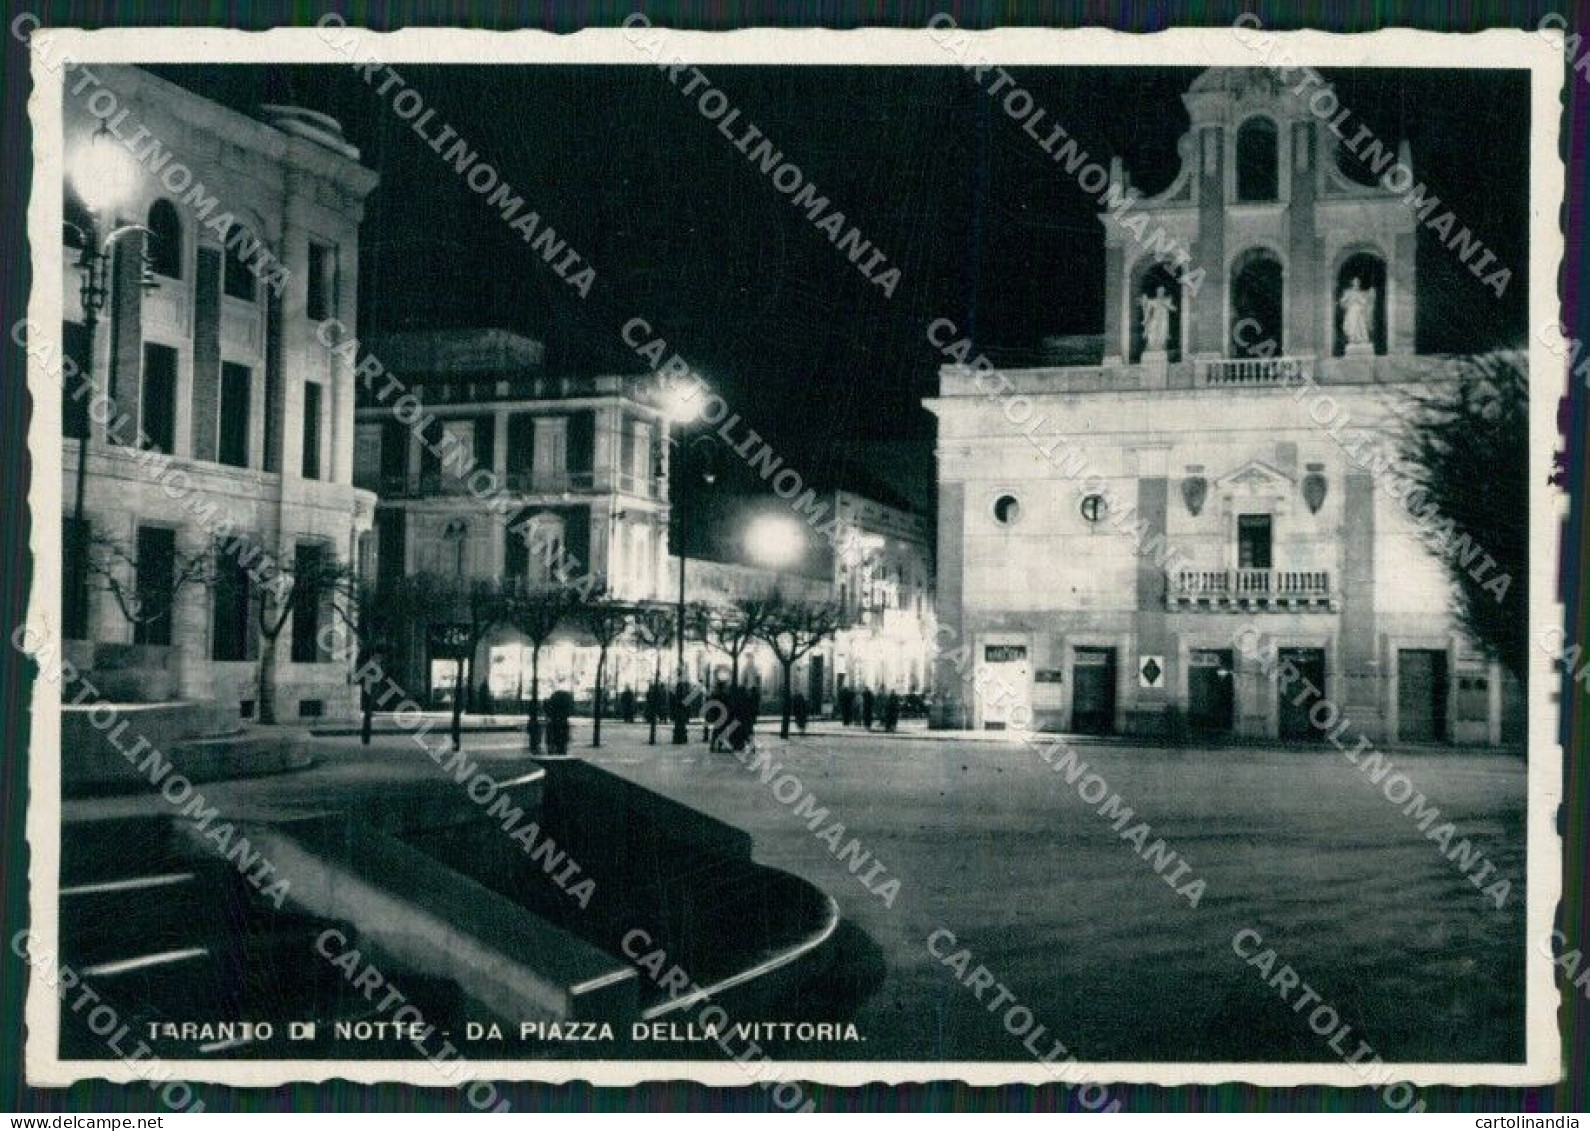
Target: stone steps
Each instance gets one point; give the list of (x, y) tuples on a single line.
[(436, 893), (163, 934)]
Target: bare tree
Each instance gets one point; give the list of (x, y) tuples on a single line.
[(116, 568), (536, 611), (606, 620), (792, 629), (476, 607), (290, 586), (377, 613), (734, 629), (1466, 445)]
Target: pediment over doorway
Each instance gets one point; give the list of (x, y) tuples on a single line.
[(1255, 478)]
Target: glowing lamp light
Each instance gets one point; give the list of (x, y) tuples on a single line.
[(775, 540), (103, 172), (682, 400)]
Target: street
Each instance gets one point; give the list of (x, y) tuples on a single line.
[(993, 846)]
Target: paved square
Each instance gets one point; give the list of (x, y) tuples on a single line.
[(993, 845)]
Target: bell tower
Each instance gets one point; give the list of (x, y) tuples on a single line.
[(1264, 244)]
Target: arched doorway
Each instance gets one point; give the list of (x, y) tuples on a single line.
[(1257, 305), (1360, 287), (1157, 295)]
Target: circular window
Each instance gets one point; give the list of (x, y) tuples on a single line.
[(1007, 509), (1093, 507)]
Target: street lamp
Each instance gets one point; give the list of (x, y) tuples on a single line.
[(681, 401), (775, 540), (682, 404), (701, 448), (104, 175)]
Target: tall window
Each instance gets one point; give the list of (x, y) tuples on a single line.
[(74, 594), (521, 446), (367, 455), (394, 456), (455, 548), (76, 387), (155, 578), (549, 450), (1253, 541), (391, 537), (237, 277), (308, 597), (322, 299), (159, 417), (581, 449), (486, 442), (432, 433), (236, 382), (635, 456), (535, 546), (311, 462), (459, 451), (230, 623), (1258, 166), (165, 239)]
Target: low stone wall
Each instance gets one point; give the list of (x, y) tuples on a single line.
[(135, 673), (201, 739)]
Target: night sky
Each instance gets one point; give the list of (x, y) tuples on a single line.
[(685, 231)]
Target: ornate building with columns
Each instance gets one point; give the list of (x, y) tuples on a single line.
[(1123, 543), (219, 429)]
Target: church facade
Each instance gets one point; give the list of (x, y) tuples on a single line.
[(1139, 544)]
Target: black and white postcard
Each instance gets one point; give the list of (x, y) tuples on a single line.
[(794, 556)]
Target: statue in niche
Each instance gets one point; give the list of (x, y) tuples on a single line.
[(1156, 320), (1358, 313)]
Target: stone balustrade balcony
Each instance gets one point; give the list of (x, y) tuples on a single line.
[(1253, 371), (551, 483), (1234, 373), (1281, 590)]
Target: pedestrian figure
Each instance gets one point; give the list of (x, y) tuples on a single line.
[(847, 705), (891, 712), (626, 705), (868, 702), (533, 727), (560, 709), (743, 711), (714, 724), (801, 710), (679, 707)]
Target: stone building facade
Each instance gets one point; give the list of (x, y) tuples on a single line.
[(868, 553), (883, 582), (1131, 545), (582, 461), (236, 422)]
